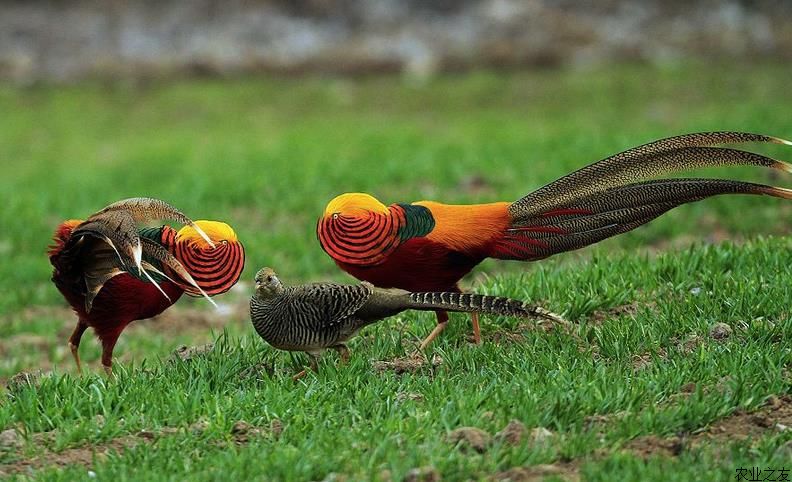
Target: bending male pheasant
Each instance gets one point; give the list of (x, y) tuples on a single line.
[(112, 273), (317, 316), (430, 246)]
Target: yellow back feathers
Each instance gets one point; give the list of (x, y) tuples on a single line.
[(355, 202), (216, 230)]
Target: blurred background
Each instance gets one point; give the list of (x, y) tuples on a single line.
[(66, 40), (257, 113)]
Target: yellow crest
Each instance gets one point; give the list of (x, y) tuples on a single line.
[(216, 230), (351, 202)]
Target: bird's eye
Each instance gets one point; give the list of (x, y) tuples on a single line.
[(225, 241), (269, 278), (335, 215)]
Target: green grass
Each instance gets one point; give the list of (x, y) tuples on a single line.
[(266, 156)]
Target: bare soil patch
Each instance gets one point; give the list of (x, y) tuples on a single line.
[(89, 455), (565, 471), (651, 445), (409, 364), (774, 416), (185, 353), (598, 317), (182, 319)]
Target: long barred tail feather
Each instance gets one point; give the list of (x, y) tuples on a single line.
[(689, 151), (612, 197), (617, 210), (471, 302)]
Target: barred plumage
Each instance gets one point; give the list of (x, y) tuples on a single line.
[(314, 317)]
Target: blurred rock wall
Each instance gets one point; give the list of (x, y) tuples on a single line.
[(64, 40)]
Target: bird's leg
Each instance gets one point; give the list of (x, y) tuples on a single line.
[(442, 321), (474, 318), (108, 344), (314, 364), (343, 352), (74, 342)]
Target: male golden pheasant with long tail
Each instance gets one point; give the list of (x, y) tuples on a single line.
[(112, 273), (429, 246)]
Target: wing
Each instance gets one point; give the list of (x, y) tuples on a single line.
[(368, 240), (326, 304)]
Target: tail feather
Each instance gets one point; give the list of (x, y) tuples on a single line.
[(471, 302), (691, 151), (614, 211)]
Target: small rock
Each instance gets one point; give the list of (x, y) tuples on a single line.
[(408, 364), (541, 435), (9, 439), (695, 291), (690, 344), (199, 427), (240, 427), (99, 420), (781, 427), (470, 437), (402, 396), (762, 420), (186, 353), (91, 474), (720, 331), (513, 433), (385, 476), (784, 452), (773, 402), (534, 472), (688, 387), (335, 477), (24, 379), (423, 474), (276, 428)]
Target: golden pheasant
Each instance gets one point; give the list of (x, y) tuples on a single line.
[(111, 272), (430, 246), (314, 317)]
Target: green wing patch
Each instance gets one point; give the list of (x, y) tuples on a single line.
[(419, 221)]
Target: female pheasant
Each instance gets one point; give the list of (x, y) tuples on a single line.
[(112, 273), (317, 316), (430, 246)]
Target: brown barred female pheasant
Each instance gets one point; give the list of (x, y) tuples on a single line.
[(314, 317)]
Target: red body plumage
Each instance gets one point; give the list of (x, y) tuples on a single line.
[(89, 263), (456, 239)]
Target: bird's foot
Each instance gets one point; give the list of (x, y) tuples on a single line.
[(437, 330), (299, 375), (547, 317), (474, 318), (76, 354), (343, 353), (108, 370)]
